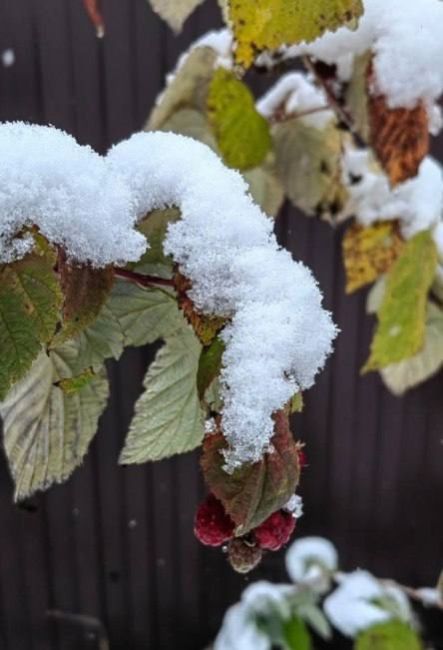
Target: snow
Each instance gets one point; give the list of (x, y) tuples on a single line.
[(8, 58), (261, 599), (68, 192), (239, 631), (278, 336), (405, 38), (225, 245), (312, 560), (417, 203), (430, 597), (297, 94), (352, 607), (295, 506)]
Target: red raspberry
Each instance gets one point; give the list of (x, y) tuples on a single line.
[(212, 526), (302, 458), (276, 531)]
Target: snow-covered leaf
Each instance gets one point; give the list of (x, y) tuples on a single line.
[(168, 417), (399, 136), (242, 134), (296, 635), (402, 316), (393, 635), (308, 162), (411, 372), (47, 431), (369, 252), (268, 24), (205, 327), (187, 89), (253, 492), (175, 12), (30, 303)]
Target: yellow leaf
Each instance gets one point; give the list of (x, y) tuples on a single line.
[(369, 252), (268, 24), (402, 314)]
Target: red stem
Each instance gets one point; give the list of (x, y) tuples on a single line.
[(143, 280)]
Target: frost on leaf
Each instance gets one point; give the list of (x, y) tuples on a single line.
[(30, 302), (168, 417), (175, 12), (369, 252), (47, 431), (255, 491), (268, 24), (400, 332), (242, 134), (399, 136)]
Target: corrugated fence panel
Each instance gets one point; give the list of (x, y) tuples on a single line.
[(116, 543)]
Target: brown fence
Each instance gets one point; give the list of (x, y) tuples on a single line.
[(117, 543)]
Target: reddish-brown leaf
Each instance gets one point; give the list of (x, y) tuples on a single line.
[(205, 327), (399, 136), (85, 290), (93, 10), (253, 492)]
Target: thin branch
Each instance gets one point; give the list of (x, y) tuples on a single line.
[(334, 103), (143, 280), (278, 118)]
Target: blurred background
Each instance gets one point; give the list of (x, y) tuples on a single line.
[(116, 544)]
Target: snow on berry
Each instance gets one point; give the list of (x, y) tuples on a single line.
[(213, 527), (276, 531)]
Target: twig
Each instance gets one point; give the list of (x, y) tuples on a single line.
[(340, 111), (143, 280)]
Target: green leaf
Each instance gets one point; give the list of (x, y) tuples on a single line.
[(242, 134), (356, 97), (402, 316), (253, 492), (315, 618), (209, 365), (72, 385), (30, 303), (308, 163), (296, 635), (266, 188), (393, 635), (168, 417), (175, 12), (407, 374), (102, 340), (268, 24), (297, 403), (192, 123), (46, 431), (144, 314), (154, 227), (188, 89)]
